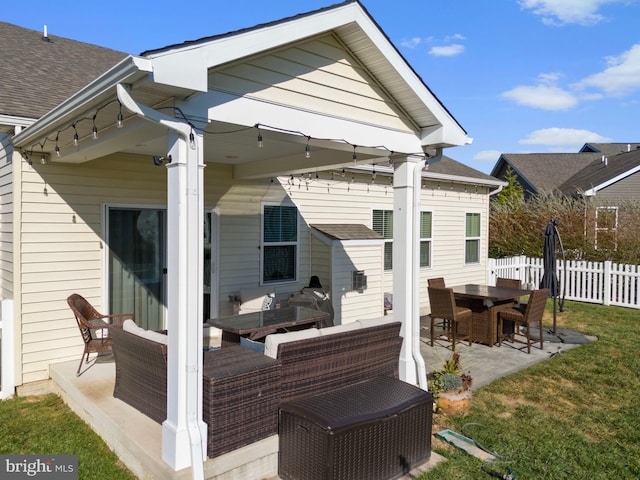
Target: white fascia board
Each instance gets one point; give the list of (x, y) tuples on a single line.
[(188, 66), (249, 112), (120, 73), (592, 191), (385, 171), (14, 121), (461, 179)]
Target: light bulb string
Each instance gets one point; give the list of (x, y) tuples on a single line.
[(192, 121)]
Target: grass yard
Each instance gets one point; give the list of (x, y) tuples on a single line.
[(574, 416), (45, 425)]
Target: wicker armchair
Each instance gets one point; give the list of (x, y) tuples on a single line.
[(94, 327), (443, 306), (524, 315), (436, 282)]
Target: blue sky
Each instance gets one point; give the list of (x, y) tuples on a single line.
[(520, 76)]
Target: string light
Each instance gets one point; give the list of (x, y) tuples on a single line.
[(259, 136), (57, 147), (355, 157), (94, 130), (307, 151), (192, 140), (43, 158), (75, 135), (119, 120)]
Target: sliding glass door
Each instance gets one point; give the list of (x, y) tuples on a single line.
[(137, 264)]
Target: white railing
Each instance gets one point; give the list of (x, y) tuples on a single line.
[(607, 283)]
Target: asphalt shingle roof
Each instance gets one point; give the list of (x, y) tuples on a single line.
[(347, 231), (38, 74), (598, 172), (548, 171)]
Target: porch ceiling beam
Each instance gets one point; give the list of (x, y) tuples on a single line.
[(320, 160), (246, 111)]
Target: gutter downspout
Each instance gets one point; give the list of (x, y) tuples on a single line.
[(193, 374), (417, 204)]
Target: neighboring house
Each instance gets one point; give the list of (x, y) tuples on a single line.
[(254, 158), (609, 170), (608, 175)]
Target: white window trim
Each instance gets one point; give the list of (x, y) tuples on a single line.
[(478, 238), (385, 208), (430, 239), (262, 244)]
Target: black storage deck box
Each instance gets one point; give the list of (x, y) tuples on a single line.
[(374, 430)]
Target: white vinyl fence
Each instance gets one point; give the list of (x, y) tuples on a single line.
[(596, 282)]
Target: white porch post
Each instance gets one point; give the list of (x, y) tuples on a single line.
[(405, 303), (184, 434)]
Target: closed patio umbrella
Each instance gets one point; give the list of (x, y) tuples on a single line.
[(549, 261)]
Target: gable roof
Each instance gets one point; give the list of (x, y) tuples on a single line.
[(599, 173), (41, 72), (181, 73), (538, 172), (609, 148), (595, 167)]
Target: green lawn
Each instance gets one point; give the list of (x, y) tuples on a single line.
[(45, 425), (575, 416)]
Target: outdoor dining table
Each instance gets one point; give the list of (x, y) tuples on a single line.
[(485, 301), (256, 325)]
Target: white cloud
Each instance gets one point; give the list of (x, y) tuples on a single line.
[(489, 156), (543, 96), (411, 42), (447, 50), (622, 75), (563, 139), (560, 12)]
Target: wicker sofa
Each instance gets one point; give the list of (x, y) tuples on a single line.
[(306, 363)]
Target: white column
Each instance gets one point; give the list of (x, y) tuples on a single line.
[(184, 434), (405, 305)]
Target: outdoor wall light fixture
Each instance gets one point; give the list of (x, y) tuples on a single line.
[(158, 160)]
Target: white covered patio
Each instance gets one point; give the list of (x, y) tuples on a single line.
[(178, 103)]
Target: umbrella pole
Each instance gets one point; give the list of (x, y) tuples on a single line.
[(554, 314)]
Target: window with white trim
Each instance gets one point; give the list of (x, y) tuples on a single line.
[(472, 238), (382, 221), (279, 243), (425, 238)]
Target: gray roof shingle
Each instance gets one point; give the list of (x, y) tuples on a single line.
[(38, 74), (347, 231)]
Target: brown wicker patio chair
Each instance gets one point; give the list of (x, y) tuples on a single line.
[(524, 315), (436, 282), (94, 326), (508, 282), (443, 306)]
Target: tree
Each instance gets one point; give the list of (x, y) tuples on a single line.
[(513, 191)]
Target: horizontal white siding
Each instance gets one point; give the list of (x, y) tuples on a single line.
[(62, 247), (319, 76), (62, 250), (6, 217)]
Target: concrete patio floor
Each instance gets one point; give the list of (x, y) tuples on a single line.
[(136, 439)]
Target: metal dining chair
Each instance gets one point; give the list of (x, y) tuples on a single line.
[(443, 306)]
